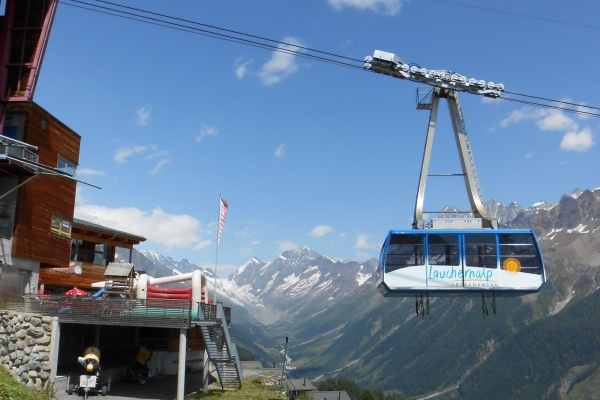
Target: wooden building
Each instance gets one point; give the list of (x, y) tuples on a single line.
[(93, 248), (36, 209), (41, 242)]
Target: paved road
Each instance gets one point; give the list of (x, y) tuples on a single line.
[(431, 396), (164, 388)]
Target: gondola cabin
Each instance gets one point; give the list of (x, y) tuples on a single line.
[(505, 262)]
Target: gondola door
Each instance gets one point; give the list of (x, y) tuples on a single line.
[(480, 260), (444, 260)]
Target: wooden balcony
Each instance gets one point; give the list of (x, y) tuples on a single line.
[(117, 311), (90, 273)]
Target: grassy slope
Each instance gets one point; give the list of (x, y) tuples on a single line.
[(526, 365), (254, 388), (10, 389)]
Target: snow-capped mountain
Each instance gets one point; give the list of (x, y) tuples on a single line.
[(173, 267), (507, 213), (297, 284)]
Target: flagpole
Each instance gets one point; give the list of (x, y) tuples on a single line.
[(217, 252)]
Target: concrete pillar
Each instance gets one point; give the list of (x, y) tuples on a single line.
[(54, 342), (205, 364), (181, 366)]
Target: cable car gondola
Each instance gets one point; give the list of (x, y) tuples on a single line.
[(467, 255), (446, 262)]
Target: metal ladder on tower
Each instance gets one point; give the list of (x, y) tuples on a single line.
[(222, 352)]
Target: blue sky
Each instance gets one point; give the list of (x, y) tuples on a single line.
[(308, 153)]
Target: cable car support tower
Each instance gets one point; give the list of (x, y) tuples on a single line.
[(446, 85)]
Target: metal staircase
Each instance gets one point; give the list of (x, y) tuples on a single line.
[(222, 352)]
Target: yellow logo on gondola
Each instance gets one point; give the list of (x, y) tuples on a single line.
[(511, 265)]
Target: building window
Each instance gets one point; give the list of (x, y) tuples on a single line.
[(61, 226), (93, 253), (67, 166)]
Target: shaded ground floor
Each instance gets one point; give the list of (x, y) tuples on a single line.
[(119, 345), (162, 388)]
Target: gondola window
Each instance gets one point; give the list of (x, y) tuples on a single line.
[(443, 250), (522, 248), (404, 251), (480, 251)]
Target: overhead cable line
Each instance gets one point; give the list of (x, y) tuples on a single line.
[(518, 14), (556, 101), (229, 30), (232, 40), (217, 35), (291, 50), (571, 110)]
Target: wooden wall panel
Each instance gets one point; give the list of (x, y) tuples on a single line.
[(47, 195), (90, 273)]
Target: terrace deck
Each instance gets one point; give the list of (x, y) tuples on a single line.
[(116, 311)]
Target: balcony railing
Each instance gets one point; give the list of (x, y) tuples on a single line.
[(209, 312), (114, 310), (19, 152), (106, 310)]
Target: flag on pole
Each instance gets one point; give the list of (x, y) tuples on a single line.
[(222, 217)]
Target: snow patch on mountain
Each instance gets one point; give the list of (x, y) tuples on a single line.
[(270, 283), (303, 286), (580, 228), (289, 281)]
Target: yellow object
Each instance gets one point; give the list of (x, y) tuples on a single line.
[(143, 355), (511, 265), (92, 353)]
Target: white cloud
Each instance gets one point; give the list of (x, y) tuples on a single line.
[(364, 242), (362, 256), (287, 245), (279, 151), (206, 131), (517, 116), (390, 7), (222, 271), (143, 115), (320, 230), (563, 163), (554, 120), (158, 166), (578, 141), (546, 119), (241, 67), (490, 100), (169, 230), (530, 154), (163, 153), (255, 242), (123, 153), (90, 172), (342, 235), (81, 195), (203, 244), (281, 64)]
